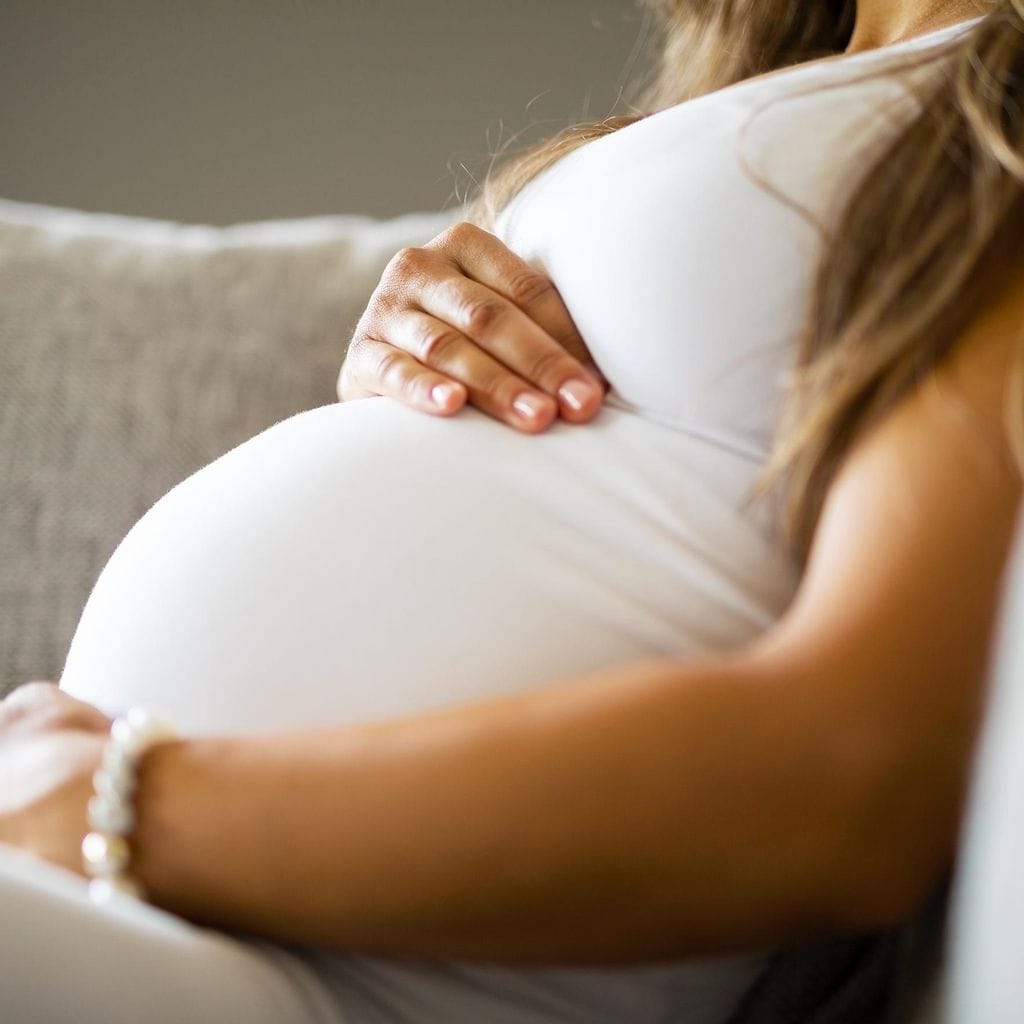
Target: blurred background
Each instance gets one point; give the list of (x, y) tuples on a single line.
[(218, 111)]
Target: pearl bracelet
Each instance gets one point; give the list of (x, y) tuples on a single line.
[(106, 855)]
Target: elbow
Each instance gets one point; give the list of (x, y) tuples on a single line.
[(894, 839), (879, 895)]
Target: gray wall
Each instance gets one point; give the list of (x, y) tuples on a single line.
[(225, 110)]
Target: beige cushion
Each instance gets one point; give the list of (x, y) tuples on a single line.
[(133, 352)]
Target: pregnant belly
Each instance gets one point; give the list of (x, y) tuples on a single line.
[(360, 561)]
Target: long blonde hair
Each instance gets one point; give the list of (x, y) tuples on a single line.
[(920, 240)]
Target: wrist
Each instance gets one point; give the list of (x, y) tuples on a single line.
[(193, 846), (160, 841)]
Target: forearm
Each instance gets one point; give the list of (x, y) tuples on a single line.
[(653, 811)]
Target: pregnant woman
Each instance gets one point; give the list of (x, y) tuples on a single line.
[(587, 719)]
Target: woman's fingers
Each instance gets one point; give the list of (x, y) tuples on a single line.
[(392, 371), (375, 367), (501, 329), (464, 318), (40, 706), (491, 384), (486, 259)]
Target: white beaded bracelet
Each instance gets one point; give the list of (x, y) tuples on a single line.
[(106, 855)]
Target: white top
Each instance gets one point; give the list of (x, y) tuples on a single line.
[(362, 560)]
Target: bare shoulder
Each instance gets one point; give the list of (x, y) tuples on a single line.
[(925, 506)]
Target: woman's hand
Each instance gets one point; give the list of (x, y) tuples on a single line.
[(465, 319), (50, 744)]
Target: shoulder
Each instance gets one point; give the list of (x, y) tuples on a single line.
[(944, 466)]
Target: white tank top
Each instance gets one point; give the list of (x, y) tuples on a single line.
[(360, 560)]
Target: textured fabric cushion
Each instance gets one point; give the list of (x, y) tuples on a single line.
[(133, 352)]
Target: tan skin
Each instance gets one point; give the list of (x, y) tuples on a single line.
[(809, 782), (882, 22)]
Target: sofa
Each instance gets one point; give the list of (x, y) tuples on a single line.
[(134, 351)]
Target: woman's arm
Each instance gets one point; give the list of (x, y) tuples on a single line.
[(811, 782)]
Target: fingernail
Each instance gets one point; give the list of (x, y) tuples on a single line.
[(528, 406), (441, 394), (575, 393)]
